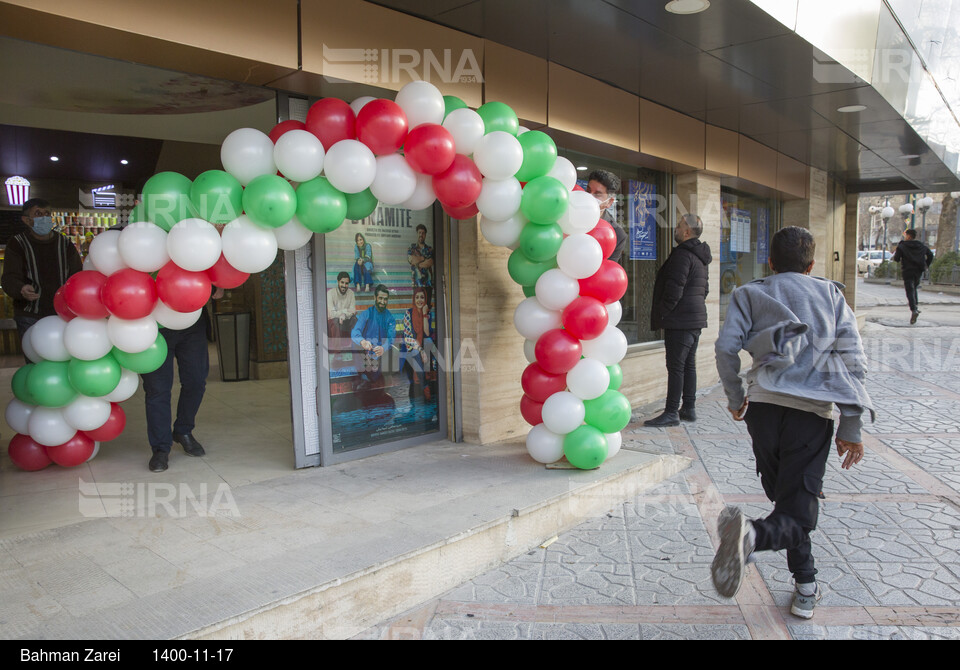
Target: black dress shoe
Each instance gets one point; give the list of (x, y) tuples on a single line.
[(665, 419), (158, 463), (687, 414), (190, 445)]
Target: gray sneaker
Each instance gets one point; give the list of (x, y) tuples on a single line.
[(803, 605), (735, 546)]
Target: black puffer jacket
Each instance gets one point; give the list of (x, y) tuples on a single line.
[(681, 288), (914, 257)]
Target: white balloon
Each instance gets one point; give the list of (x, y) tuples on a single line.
[(246, 154), (555, 289), (247, 246), (105, 252), (467, 129), (532, 319), (129, 383), (299, 155), (423, 196), (96, 450), (609, 348), (46, 337), (544, 446), (504, 233), (499, 199), (18, 416), (28, 349), (564, 172), (498, 155), (85, 413), (588, 379), (350, 166), (529, 351), (87, 339), (358, 104), (132, 335), (173, 320), (292, 235), (88, 263), (614, 442), (563, 413), (422, 102), (580, 256), (49, 428), (143, 246), (614, 312), (582, 213), (194, 244), (395, 181), (521, 130)]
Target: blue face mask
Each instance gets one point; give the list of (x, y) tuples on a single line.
[(42, 225)]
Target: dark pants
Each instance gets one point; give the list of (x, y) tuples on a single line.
[(23, 325), (791, 448), (910, 284), (681, 350), (189, 347)]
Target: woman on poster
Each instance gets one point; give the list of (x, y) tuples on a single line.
[(418, 338), (363, 267)]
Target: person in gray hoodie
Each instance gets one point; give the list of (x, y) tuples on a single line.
[(807, 356), (914, 257)]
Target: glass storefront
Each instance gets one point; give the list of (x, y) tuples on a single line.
[(747, 224)]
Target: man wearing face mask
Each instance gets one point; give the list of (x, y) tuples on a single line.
[(603, 186), (38, 261)]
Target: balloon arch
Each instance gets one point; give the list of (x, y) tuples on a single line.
[(186, 237)]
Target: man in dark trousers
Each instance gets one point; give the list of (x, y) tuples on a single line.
[(914, 257), (38, 261), (680, 309)]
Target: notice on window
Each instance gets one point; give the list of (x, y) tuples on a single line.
[(740, 231), (642, 219), (763, 236)]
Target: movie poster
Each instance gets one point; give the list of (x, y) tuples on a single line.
[(382, 328)]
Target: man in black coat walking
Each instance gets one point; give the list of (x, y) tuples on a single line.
[(680, 309), (914, 257)]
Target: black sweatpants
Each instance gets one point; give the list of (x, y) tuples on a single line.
[(791, 447)]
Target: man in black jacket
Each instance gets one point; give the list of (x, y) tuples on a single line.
[(680, 309), (914, 257)]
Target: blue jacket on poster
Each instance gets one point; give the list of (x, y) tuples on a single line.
[(378, 328)]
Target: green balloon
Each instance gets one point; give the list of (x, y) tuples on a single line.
[(450, 103), (360, 205), (49, 384), (526, 272), (320, 207), (540, 243), (166, 197), (585, 448), (499, 116), (145, 361), (544, 200), (616, 376), (530, 291), (217, 196), (610, 413), (539, 155), (270, 201), (94, 378), (19, 385)]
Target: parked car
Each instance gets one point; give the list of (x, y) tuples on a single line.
[(872, 259)]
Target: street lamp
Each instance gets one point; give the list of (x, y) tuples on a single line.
[(924, 204), (886, 214)]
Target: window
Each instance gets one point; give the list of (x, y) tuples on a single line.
[(746, 226)]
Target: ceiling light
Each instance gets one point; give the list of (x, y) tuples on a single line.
[(851, 108), (582, 168), (54, 158), (123, 161), (687, 6)]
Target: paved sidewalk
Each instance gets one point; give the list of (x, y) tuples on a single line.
[(887, 546)]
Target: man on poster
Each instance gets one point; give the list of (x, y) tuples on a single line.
[(374, 333), (420, 258), (341, 312)]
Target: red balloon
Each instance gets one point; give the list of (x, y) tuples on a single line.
[(578, 187), (82, 294), (129, 294), (27, 454), (182, 290), (585, 318), (60, 305), (430, 149), (109, 430), (531, 410), (382, 126), (557, 351), (608, 284), (224, 275), (604, 233), (459, 185), (285, 126), (331, 120), (461, 213), (540, 384), (75, 451)]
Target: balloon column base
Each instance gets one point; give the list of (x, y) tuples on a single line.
[(565, 465)]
